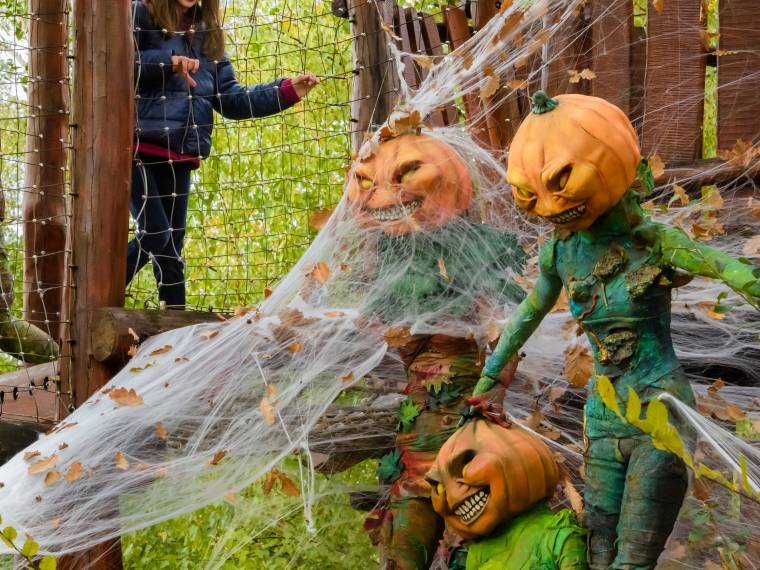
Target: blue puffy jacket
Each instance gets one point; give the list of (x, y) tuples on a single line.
[(169, 112)]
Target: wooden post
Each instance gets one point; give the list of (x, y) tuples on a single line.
[(44, 211), (375, 85), (103, 126)]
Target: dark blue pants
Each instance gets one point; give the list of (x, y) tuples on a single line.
[(159, 205)]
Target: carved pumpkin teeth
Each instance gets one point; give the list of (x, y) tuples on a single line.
[(472, 507), (395, 212), (568, 215)]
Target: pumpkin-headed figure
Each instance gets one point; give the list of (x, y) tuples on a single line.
[(432, 264), (573, 162), (491, 484), (412, 183)]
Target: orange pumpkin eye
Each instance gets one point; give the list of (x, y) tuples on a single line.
[(524, 193), (365, 183), (564, 176), (405, 172), (439, 488)]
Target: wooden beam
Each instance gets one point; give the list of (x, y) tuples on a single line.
[(113, 329), (612, 35), (103, 108), (44, 210), (375, 85), (694, 174)]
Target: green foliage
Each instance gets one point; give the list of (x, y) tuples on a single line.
[(407, 413), (26, 552), (390, 466), (262, 532)]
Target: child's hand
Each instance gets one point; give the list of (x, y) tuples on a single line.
[(304, 83), (185, 66)]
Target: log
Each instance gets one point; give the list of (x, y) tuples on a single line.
[(692, 175), (44, 208), (113, 329)]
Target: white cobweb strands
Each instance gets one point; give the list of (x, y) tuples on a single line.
[(204, 411)]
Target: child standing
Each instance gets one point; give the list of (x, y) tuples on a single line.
[(182, 75)]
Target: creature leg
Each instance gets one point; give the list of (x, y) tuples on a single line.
[(655, 486), (413, 537), (605, 471)]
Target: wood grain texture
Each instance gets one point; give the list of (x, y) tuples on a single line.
[(675, 82), (611, 37), (739, 73), (44, 209)]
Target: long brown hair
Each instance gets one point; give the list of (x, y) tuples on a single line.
[(167, 15)]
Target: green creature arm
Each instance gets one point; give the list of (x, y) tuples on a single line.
[(679, 250), (525, 320)]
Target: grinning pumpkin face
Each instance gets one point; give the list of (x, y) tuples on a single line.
[(413, 182), (572, 162), (485, 475)]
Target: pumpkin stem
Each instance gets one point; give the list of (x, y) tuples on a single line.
[(542, 103)]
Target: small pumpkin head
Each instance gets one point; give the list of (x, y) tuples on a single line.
[(486, 474), (411, 183), (572, 159)]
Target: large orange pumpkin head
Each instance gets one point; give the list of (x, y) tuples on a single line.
[(411, 183), (572, 159), (485, 475)]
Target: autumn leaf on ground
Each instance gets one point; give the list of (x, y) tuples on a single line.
[(125, 397), (319, 272), (556, 392), (659, 5), (163, 350), (160, 430), (74, 472), (709, 308), (401, 121), (267, 410), (28, 455), (347, 377), (132, 350), (52, 477), (43, 464), (576, 76), (533, 421), (713, 198), (442, 270), (751, 247), (217, 458), (121, 461), (579, 365), (516, 84), (489, 87), (741, 154), (209, 334), (267, 293), (657, 165), (334, 314), (295, 347)]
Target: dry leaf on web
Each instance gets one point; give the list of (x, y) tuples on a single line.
[(320, 272), (267, 410), (709, 308), (490, 87), (659, 5), (295, 347), (714, 199), (217, 458), (164, 349), (388, 30), (74, 472), (319, 218), (534, 420), (132, 350), (334, 314), (288, 487), (397, 336), (576, 76), (741, 154), (125, 397), (680, 193), (424, 61), (160, 430), (752, 247), (267, 293), (442, 270), (209, 334), (121, 461), (493, 331), (556, 392), (347, 377), (230, 497), (28, 455), (516, 84), (52, 477), (657, 165), (43, 464), (579, 365)]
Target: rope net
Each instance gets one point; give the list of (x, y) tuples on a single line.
[(276, 393)]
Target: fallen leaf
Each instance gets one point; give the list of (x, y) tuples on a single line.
[(754, 207), (267, 410), (43, 464), (267, 293), (579, 365), (724, 52), (344, 266), (680, 193), (319, 218), (121, 461), (741, 154), (163, 350), (657, 165), (209, 334), (56, 521), (287, 485), (556, 392), (230, 497), (490, 87), (442, 270), (716, 386), (493, 331), (735, 413), (709, 308), (387, 29), (320, 272), (132, 350), (714, 199), (516, 84), (576, 76), (182, 359), (125, 397), (295, 347), (218, 456), (74, 472), (424, 61), (659, 5), (334, 314), (534, 420), (30, 455), (63, 446), (752, 247), (52, 477), (160, 430), (397, 336), (347, 377)]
